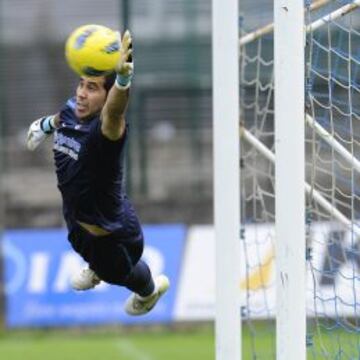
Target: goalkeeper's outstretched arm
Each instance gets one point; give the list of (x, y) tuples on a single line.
[(41, 129), (113, 112)]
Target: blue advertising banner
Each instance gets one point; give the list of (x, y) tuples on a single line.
[(39, 264)]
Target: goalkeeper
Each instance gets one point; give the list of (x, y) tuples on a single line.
[(90, 133)]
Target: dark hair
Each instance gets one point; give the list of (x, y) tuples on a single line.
[(109, 81)]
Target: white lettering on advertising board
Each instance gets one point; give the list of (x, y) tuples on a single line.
[(333, 270)]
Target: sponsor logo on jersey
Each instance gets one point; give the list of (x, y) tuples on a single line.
[(67, 145)]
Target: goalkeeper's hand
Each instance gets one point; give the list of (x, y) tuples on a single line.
[(39, 130), (125, 65)]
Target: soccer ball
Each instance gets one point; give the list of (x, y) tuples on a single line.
[(92, 50)]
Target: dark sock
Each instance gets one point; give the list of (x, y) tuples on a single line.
[(140, 280)]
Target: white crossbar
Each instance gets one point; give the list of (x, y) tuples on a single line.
[(248, 38)]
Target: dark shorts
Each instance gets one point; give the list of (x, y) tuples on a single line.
[(111, 257)]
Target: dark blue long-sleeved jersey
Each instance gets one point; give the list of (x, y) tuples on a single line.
[(90, 173)]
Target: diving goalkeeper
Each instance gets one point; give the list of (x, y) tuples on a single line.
[(90, 132)]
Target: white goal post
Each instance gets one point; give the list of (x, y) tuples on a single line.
[(286, 155), (225, 55), (289, 162), (289, 70)]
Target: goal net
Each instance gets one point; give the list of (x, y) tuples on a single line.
[(332, 182)]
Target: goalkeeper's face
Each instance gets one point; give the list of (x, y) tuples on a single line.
[(90, 96)]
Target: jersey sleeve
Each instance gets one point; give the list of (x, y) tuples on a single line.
[(67, 111)]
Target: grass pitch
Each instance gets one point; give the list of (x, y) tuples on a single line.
[(195, 343), (95, 345)]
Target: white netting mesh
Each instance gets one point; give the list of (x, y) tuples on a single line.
[(332, 175), (333, 103)]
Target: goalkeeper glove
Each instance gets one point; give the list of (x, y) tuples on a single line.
[(125, 65), (40, 130)]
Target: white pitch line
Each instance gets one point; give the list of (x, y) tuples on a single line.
[(126, 347)]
